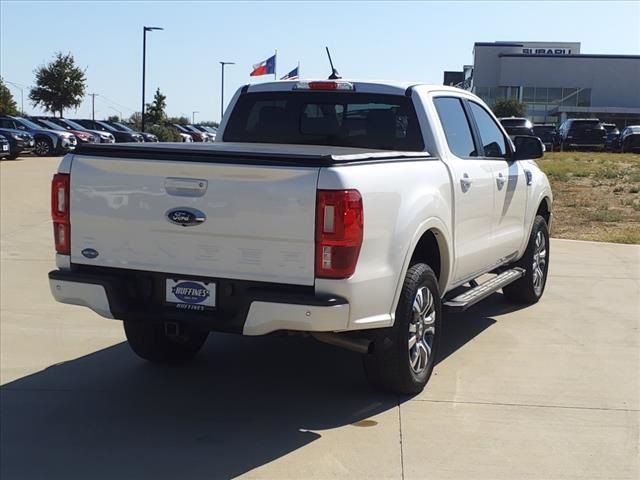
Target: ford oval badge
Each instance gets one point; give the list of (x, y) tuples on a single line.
[(89, 253), (186, 216), (190, 292)]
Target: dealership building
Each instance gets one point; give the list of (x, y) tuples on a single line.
[(555, 80)]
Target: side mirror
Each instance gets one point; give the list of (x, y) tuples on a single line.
[(527, 148)]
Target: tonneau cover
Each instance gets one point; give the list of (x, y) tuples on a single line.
[(247, 153)]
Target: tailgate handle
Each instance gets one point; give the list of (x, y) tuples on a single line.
[(185, 187)]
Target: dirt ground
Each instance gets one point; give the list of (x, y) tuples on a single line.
[(596, 195)]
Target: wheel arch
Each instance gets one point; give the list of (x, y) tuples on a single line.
[(431, 244)]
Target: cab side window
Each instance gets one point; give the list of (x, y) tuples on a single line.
[(493, 141), (456, 126)]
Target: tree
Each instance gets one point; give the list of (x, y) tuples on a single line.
[(210, 124), (509, 107), (136, 120), (155, 111), (113, 118), (59, 85), (179, 120), (7, 103)]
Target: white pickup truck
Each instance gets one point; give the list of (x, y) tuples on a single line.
[(355, 212)]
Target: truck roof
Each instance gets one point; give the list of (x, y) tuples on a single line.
[(370, 86)]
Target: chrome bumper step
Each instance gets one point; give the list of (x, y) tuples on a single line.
[(482, 291)]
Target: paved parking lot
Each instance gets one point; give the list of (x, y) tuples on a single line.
[(550, 391)]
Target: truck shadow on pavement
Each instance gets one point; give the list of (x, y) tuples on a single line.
[(243, 403)]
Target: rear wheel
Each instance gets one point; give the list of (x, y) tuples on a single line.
[(535, 261), (403, 356), (12, 156), (150, 341)]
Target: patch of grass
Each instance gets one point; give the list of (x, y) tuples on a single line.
[(604, 215), (630, 235)]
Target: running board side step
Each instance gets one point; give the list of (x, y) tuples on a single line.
[(482, 291)]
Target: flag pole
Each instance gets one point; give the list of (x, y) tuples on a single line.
[(299, 77), (275, 65)]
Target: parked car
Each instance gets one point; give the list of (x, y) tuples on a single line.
[(147, 137), (326, 231), (582, 133), (48, 142), (630, 139), (120, 136), (105, 137), (205, 136), (517, 126), (20, 142), (83, 136), (195, 136), (5, 148), (547, 134), (613, 136), (205, 128)]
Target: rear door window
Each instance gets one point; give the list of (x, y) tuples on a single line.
[(374, 121), (456, 126)]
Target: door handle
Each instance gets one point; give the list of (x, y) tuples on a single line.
[(465, 182), (500, 181)]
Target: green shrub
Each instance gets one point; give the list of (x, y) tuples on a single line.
[(164, 134)]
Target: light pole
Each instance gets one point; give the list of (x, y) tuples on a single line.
[(93, 106), (193, 117), (222, 88), (144, 60), (18, 86)]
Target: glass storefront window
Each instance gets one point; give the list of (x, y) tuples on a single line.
[(569, 97), (584, 97), (528, 94), (554, 95), (541, 95)]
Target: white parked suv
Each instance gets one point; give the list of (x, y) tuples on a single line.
[(356, 212)]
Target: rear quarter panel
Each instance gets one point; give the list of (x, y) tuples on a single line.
[(401, 200)]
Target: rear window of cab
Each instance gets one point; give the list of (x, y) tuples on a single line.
[(341, 119)]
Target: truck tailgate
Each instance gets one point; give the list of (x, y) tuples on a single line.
[(259, 221)]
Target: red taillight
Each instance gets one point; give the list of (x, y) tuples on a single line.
[(60, 213), (339, 232)]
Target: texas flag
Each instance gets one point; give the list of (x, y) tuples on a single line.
[(292, 75), (264, 68)]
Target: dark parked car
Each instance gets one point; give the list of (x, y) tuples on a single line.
[(548, 135), (517, 126), (630, 139), (4, 147), (148, 137), (105, 137), (582, 133), (83, 136), (613, 136), (48, 142), (119, 135), (19, 142)]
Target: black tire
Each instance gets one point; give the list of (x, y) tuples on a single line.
[(527, 290), (148, 340), (13, 156), (389, 365), (43, 147)]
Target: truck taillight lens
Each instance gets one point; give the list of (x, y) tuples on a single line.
[(60, 213), (339, 232)]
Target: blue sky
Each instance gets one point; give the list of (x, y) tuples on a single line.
[(383, 40)]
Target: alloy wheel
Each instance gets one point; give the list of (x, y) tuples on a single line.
[(422, 329)]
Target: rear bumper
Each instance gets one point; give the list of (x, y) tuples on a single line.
[(247, 308)]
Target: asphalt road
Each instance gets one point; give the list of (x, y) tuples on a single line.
[(550, 391)]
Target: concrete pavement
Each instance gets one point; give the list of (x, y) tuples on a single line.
[(549, 391)]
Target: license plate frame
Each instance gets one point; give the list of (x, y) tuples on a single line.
[(186, 294)]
